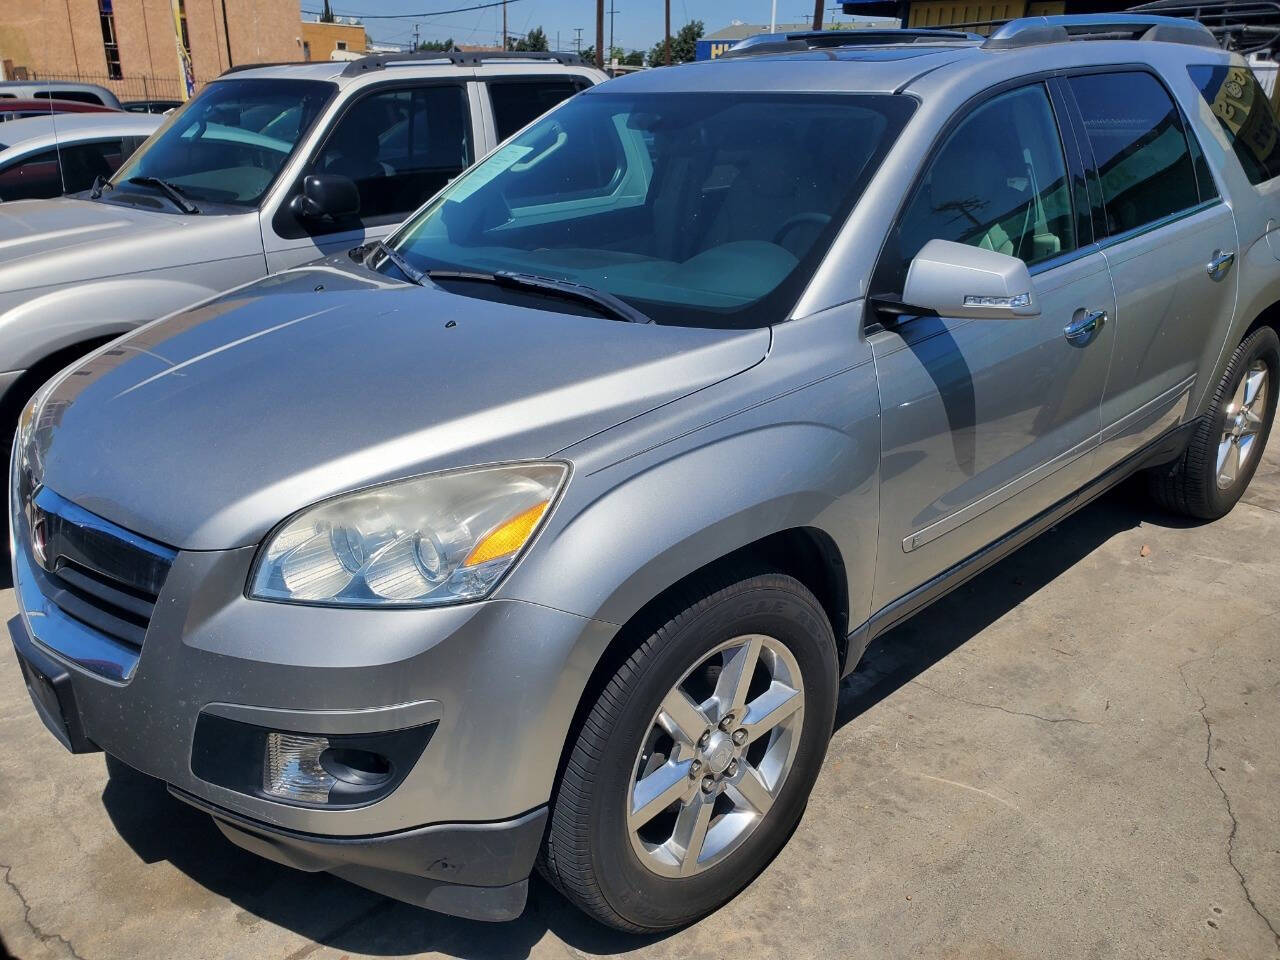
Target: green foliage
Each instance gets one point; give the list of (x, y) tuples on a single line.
[(684, 45), (438, 46), (535, 41)]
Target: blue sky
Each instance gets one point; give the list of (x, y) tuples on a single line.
[(637, 23)]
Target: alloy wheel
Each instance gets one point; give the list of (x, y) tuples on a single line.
[(715, 758), (1244, 419)]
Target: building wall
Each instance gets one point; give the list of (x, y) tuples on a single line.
[(321, 39), (63, 38)]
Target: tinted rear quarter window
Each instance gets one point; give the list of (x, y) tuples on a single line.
[(1139, 146), (1245, 115), (517, 103), (32, 178)]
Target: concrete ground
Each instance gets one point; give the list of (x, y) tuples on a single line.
[(1076, 755)]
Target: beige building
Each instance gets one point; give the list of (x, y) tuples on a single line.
[(320, 40), (130, 45)]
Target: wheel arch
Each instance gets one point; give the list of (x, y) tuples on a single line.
[(807, 553)]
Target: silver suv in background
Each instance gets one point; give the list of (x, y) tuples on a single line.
[(47, 156), (266, 168), (545, 532)]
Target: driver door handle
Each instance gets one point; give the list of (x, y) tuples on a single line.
[(1084, 326), (1222, 260)]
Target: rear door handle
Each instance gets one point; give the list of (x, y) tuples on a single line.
[(1222, 260), (1084, 326)]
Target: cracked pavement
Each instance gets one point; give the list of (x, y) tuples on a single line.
[(1075, 755)]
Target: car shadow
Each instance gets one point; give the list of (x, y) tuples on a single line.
[(341, 916)]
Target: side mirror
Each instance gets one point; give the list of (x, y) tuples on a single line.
[(957, 280), (326, 195)]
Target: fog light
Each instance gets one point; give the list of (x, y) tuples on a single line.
[(293, 770)]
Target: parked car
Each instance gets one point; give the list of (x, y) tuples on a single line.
[(544, 530), (264, 169), (48, 156), (151, 106), (14, 109), (58, 90)]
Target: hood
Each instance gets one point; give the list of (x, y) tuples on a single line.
[(53, 242), (206, 429)]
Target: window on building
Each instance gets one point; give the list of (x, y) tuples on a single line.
[(182, 23), (517, 103), (342, 44), (1139, 146), (1245, 115), (999, 183), (110, 45)]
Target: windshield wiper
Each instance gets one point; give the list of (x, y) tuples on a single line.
[(100, 183), (401, 264), (565, 289), (169, 190)]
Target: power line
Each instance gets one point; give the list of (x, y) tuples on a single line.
[(427, 13)]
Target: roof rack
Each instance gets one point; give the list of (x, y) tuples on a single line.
[(381, 61), (826, 39), (1242, 26), (457, 58), (1035, 31)]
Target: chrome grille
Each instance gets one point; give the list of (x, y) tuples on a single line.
[(95, 572)]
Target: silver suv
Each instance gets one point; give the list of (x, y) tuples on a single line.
[(545, 532), (267, 168)]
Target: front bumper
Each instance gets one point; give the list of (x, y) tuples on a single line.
[(496, 683)]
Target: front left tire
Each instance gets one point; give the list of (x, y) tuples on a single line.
[(695, 760)]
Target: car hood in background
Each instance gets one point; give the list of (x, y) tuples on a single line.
[(54, 242), (206, 429)]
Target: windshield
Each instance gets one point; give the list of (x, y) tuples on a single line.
[(701, 209), (229, 143)]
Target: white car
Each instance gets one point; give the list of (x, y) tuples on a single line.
[(42, 157)]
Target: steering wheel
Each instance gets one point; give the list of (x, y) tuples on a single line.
[(800, 219)]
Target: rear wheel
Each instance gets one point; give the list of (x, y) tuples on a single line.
[(696, 759), (1214, 471)]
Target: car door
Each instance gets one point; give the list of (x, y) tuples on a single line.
[(986, 423), (399, 144), (1170, 244)]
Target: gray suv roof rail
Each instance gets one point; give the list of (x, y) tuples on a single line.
[(381, 61), (1034, 31), (827, 39)]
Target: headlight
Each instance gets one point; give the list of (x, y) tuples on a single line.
[(431, 540)]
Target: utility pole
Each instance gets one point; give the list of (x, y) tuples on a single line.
[(668, 33), (416, 28), (613, 9), (600, 34), (577, 41), (817, 14), (504, 24)]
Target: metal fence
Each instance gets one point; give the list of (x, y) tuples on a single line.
[(139, 87)]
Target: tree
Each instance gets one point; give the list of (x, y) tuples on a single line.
[(441, 46), (589, 54), (535, 41), (633, 59), (684, 45), (326, 15)]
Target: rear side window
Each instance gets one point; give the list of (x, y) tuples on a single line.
[(517, 103), (79, 96), (1245, 115), (999, 182), (32, 178), (1139, 146)]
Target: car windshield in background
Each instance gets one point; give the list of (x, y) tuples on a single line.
[(229, 143), (701, 209)]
